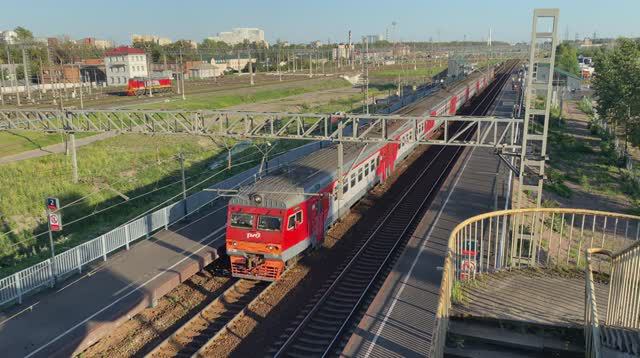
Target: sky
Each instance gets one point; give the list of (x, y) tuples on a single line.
[(305, 21)]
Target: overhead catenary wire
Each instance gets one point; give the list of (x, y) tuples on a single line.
[(134, 198)]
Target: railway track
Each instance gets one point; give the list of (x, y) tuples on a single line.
[(194, 336), (197, 332), (320, 330)]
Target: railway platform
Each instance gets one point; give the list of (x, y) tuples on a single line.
[(400, 321), (77, 312)]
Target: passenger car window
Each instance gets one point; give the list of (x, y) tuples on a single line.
[(266, 222), (244, 221), (353, 180)]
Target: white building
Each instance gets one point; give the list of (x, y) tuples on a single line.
[(238, 35), (9, 37), (124, 63)]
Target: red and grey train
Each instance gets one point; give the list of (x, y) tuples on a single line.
[(287, 212), (141, 86)]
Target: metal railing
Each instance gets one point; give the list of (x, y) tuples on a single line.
[(45, 273), (544, 237), (621, 328)]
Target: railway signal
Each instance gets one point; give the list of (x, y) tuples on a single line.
[(54, 219)]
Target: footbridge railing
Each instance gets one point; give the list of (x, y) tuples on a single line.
[(543, 237), (620, 329)]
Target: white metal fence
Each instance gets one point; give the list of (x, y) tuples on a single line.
[(16, 286)]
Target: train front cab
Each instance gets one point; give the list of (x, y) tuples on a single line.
[(262, 241)]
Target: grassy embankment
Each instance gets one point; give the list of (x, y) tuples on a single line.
[(128, 164), (221, 100), (20, 141), (591, 166), (13, 142)]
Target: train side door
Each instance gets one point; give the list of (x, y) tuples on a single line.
[(316, 222)]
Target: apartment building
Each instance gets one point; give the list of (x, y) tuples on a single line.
[(124, 63)]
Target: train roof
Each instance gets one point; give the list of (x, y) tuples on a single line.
[(290, 185)]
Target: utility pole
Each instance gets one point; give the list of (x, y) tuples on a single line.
[(74, 158), (14, 79), (250, 68), (150, 84), (351, 52), (26, 72), (81, 82), (1, 86), (310, 68), (184, 95), (184, 181), (279, 70)]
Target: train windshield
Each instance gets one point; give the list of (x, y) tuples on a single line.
[(272, 223), (244, 221)]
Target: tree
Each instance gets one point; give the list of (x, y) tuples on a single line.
[(617, 86), (567, 58), (23, 34)]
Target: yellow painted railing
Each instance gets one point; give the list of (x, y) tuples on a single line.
[(543, 237), (622, 322)]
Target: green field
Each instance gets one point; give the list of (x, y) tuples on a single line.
[(13, 142), (128, 164), (391, 74), (220, 100), (143, 168)]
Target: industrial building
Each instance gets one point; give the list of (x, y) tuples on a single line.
[(239, 35), (151, 38)]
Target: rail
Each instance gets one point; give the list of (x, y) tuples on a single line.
[(620, 330), (543, 237)]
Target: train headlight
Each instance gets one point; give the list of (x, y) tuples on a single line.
[(234, 243)]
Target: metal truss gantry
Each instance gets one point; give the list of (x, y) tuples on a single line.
[(538, 92), (492, 132)]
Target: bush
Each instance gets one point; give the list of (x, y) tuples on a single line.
[(585, 105)]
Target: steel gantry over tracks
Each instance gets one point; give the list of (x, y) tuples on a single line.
[(497, 132)]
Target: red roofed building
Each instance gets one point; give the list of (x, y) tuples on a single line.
[(123, 63)]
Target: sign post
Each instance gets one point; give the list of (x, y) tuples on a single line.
[(54, 219)]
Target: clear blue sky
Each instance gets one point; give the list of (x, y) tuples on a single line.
[(304, 21)]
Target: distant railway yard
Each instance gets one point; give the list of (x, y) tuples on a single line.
[(241, 197)]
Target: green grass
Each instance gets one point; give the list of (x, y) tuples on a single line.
[(131, 164), (594, 167), (390, 74), (218, 101), (13, 142)]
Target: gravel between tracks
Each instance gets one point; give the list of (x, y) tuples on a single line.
[(273, 313), (144, 331)]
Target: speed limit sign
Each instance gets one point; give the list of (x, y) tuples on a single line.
[(55, 222)]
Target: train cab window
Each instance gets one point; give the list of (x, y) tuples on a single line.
[(294, 219), (244, 221), (271, 223)]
